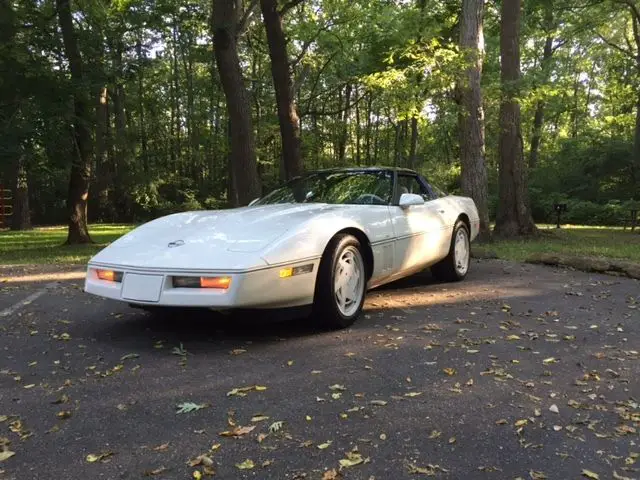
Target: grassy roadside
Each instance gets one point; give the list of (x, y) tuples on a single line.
[(44, 245), (607, 242)]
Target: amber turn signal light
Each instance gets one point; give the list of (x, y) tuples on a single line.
[(109, 275), (202, 282), (215, 282)]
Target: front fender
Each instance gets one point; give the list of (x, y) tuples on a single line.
[(309, 240)]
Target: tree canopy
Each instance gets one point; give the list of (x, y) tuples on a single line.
[(141, 98)]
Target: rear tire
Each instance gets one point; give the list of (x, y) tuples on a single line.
[(455, 266), (340, 284)]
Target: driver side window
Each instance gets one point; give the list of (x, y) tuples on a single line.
[(410, 184)]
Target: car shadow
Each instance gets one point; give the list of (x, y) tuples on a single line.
[(139, 329)]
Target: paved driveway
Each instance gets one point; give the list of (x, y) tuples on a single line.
[(519, 371)]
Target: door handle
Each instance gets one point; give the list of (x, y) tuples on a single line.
[(441, 211)]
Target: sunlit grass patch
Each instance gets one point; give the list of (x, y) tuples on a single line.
[(612, 242), (45, 245)]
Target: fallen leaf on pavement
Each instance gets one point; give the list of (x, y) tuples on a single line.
[(201, 460), (332, 474), (590, 474), (537, 475), (275, 426), (353, 459), (187, 407), (430, 469), (5, 453), (238, 431), (247, 464), (157, 471), (242, 391), (99, 457), (324, 445)]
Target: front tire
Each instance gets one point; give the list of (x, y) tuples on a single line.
[(341, 283), (455, 266)]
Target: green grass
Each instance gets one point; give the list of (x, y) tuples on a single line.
[(45, 245), (609, 242)]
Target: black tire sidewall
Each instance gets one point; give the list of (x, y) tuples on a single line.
[(460, 226), (325, 303)]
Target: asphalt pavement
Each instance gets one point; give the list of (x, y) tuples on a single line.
[(520, 371)]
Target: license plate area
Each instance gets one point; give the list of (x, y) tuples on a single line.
[(143, 288)]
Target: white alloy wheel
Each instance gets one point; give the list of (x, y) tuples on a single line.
[(461, 252), (349, 280)]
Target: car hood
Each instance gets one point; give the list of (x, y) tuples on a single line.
[(218, 239)]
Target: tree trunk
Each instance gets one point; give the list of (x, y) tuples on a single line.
[(367, 130), (471, 113), (143, 126), (103, 176), (357, 129), (636, 149), (21, 216), (344, 125), (81, 160), (287, 111), (538, 119), (513, 217), (242, 154), (413, 146)]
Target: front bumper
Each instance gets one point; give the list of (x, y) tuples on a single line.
[(259, 288)]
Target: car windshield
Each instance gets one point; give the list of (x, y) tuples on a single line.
[(352, 187)]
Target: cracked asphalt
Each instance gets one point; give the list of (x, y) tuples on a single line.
[(520, 371)]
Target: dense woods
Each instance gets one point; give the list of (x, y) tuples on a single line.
[(122, 110)]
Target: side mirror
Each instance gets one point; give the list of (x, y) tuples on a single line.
[(408, 199), (253, 201)]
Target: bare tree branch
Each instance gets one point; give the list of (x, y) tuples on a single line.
[(246, 17), (288, 6), (616, 47), (335, 112)]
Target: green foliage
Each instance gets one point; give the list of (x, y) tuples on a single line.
[(362, 71)]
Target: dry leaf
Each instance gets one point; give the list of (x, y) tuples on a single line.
[(238, 431), (429, 470), (353, 459), (259, 418), (537, 475), (201, 460), (322, 446), (590, 474), (242, 391), (331, 475), (449, 371), (157, 471), (246, 465), (92, 457)]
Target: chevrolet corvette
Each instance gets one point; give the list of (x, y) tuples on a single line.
[(320, 240)]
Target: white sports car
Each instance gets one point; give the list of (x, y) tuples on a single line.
[(320, 240)]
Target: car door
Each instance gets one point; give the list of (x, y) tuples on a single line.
[(419, 229)]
